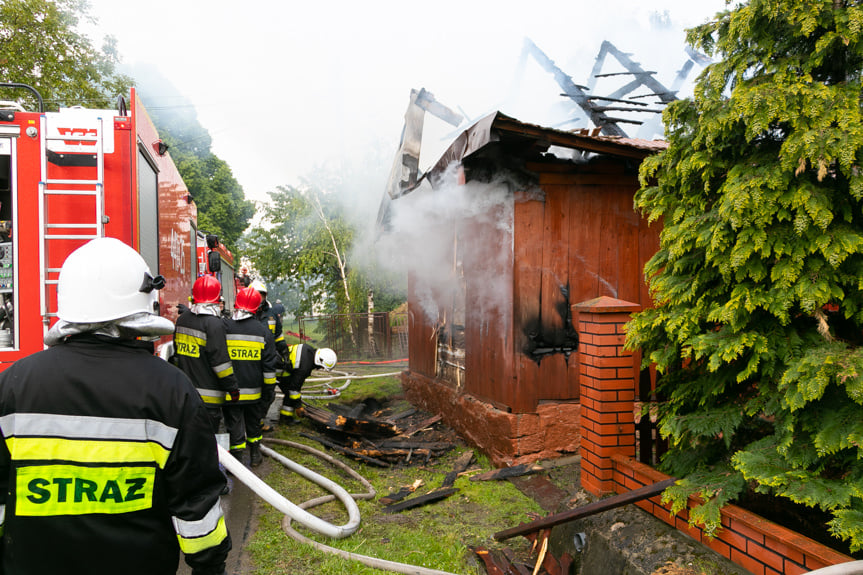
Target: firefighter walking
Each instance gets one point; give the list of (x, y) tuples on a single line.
[(201, 348), (109, 463), (253, 355)]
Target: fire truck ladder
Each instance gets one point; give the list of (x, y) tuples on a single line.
[(83, 189)]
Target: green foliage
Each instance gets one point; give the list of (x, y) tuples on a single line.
[(222, 206), (757, 283), (304, 238), (40, 46)]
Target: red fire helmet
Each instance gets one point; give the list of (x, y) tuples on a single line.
[(207, 289), (248, 299)]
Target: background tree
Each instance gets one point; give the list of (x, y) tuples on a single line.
[(41, 46), (304, 239), (758, 283)]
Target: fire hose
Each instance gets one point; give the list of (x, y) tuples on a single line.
[(299, 513), (323, 391)]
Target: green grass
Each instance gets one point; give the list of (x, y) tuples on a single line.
[(436, 536)]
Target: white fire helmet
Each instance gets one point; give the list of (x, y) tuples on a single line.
[(326, 358), (104, 280), (258, 286)]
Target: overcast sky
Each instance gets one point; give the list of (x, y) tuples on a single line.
[(285, 85)]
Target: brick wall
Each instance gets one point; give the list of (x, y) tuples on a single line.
[(608, 383)]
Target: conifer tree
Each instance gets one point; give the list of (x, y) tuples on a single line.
[(758, 283)]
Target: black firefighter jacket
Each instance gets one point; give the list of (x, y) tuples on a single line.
[(201, 351), (253, 354), (108, 461), (299, 364)]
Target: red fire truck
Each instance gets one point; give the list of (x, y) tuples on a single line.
[(69, 176)]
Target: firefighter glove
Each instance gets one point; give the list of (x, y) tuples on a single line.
[(235, 394)]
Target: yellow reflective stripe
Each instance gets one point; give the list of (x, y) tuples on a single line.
[(87, 427), (280, 338), (212, 396), (270, 380), (247, 395), (237, 446), (86, 451), (294, 352), (46, 490), (245, 350), (188, 344), (208, 532), (223, 370)]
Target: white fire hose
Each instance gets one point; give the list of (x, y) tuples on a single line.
[(299, 513), (275, 499)]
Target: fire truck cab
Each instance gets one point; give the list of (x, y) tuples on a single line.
[(70, 176)]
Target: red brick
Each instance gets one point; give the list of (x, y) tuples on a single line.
[(734, 539), (747, 562), (764, 555), (792, 568), (626, 372), (812, 563), (747, 531), (784, 550), (720, 547), (593, 327), (626, 395), (615, 340), (618, 385)]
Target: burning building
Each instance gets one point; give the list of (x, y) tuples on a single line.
[(513, 226)]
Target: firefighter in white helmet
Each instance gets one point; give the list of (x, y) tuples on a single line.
[(109, 464), (300, 361)]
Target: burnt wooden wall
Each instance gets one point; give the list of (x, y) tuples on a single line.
[(582, 240)]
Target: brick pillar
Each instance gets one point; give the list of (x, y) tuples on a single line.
[(607, 380)]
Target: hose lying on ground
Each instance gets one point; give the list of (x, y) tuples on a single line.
[(383, 564), (323, 391), (275, 499)]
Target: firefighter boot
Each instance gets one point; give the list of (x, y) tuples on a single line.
[(255, 457), (239, 455), (288, 415)]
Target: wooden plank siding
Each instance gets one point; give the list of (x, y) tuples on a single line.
[(575, 238), (528, 225), (421, 341), (488, 296)]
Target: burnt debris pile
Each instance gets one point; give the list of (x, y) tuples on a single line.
[(372, 433)]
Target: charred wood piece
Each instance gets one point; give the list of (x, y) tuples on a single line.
[(624, 109), (367, 427), (630, 73), (488, 559), (421, 425), (612, 502), (431, 497), (516, 566), (346, 451), (507, 472), (461, 464)]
